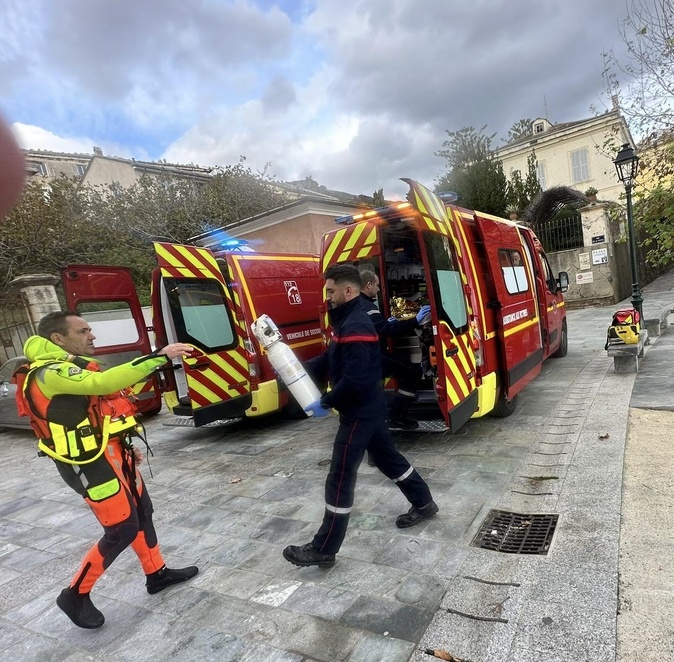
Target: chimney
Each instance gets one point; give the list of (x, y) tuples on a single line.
[(615, 101), (98, 151)]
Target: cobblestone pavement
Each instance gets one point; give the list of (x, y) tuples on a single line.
[(230, 499)]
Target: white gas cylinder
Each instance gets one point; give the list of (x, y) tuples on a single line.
[(284, 361)]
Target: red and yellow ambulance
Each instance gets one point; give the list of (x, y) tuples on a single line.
[(207, 299), (497, 310)]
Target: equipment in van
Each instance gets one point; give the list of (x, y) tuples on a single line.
[(497, 309), (284, 361), (624, 329)]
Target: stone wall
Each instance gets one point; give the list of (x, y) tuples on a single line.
[(599, 272)]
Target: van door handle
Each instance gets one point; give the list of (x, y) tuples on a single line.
[(201, 366), (452, 351)]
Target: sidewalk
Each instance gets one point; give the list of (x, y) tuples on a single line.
[(612, 549), (231, 499)]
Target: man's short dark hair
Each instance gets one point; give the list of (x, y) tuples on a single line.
[(367, 276), (56, 322), (343, 273)]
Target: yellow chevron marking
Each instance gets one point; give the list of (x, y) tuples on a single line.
[(200, 261), (461, 380), (203, 391), (451, 394), (229, 369), (364, 252), (355, 236), (335, 243), (467, 354)]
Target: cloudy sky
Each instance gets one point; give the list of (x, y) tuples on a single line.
[(355, 93)]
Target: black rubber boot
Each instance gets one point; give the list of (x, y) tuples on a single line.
[(306, 555), (415, 515), (79, 608), (166, 577)]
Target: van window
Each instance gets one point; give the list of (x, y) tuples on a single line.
[(111, 322), (450, 302), (200, 314), (514, 272)]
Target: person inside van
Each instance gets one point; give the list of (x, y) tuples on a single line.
[(406, 373)]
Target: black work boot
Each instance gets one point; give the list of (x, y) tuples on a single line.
[(166, 577), (415, 515), (79, 608), (398, 418), (306, 555), (400, 423)]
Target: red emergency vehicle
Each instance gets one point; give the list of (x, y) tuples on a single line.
[(497, 310), (208, 300)]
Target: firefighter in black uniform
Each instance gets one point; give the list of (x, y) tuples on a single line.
[(406, 373), (352, 364)]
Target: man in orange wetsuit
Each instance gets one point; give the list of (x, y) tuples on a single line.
[(75, 409)]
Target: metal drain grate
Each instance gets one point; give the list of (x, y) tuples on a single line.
[(513, 533)]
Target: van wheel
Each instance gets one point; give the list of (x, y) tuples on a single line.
[(504, 407), (293, 410), (152, 412), (563, 344)]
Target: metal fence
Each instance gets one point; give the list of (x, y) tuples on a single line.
[(562, 232), (15, 326)]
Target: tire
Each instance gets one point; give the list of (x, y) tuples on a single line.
[(504, 407), (563, 343), (151, 412), (292, 410)]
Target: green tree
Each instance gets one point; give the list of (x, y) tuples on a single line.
[(655, 213), (47, 229), (65, 223), (520, 129), (521, 192), (474, 172), (378, 199), (643, 82)]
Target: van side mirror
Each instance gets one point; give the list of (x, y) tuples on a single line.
[(562, 281)]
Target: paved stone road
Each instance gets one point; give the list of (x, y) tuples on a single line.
[(231, 499)]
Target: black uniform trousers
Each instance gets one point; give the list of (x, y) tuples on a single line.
[(353, 438), (407, 374)]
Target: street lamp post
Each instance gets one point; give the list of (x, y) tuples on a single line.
[(626, 163)]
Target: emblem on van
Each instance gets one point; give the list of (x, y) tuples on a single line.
[(294, 298)]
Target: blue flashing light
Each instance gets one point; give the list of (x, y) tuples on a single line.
[(232, 244), (448, 196)]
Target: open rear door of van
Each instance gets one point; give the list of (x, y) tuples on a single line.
[(106, 298), (194, 304), (445, 276), (518, 311)]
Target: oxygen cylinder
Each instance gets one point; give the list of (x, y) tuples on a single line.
[(284, 361)]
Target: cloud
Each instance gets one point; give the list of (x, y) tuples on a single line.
[(355, 93), (35, 137)]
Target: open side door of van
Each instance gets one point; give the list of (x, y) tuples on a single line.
[(106, 297), (194, 304), (445, 276), (518, 314)]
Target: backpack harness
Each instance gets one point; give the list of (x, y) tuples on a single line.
[(109, 416)]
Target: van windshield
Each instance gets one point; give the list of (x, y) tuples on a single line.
[(200, 314)]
